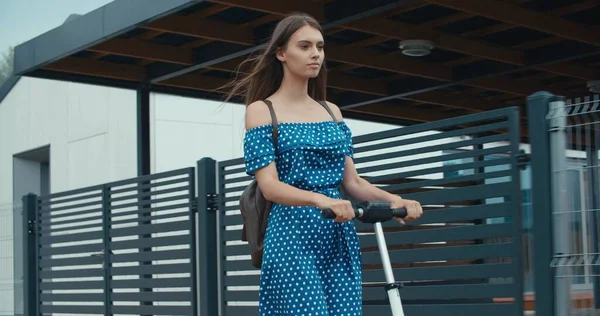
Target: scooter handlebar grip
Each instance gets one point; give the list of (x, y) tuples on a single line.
[(327, 213), (400, 212)]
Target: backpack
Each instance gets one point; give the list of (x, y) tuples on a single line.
[(255, 208)]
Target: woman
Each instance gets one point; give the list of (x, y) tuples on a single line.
[(311, 266)]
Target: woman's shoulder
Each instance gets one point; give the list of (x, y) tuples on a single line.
[(335, 110), (257, 114)]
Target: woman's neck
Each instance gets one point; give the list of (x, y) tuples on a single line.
[(293, 89)]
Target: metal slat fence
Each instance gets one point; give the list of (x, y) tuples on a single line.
[(462, 258)]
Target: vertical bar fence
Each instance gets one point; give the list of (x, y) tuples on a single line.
[(565, 140)]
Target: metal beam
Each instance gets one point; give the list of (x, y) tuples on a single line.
[(422, 85), (355, 16), (106, 22), (514, 14)]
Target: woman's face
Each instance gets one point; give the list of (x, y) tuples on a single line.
[(303, 56)]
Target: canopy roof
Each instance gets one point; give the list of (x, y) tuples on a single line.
[(487, 55)]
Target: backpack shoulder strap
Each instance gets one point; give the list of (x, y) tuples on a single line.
[(274, 122), (324, 104)]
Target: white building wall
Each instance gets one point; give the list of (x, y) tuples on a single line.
[(91, 132)]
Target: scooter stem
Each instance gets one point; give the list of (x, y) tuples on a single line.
[(391, 287)]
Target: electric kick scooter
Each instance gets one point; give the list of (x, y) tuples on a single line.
[(376, 212)]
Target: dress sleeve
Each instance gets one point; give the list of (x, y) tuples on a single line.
[(258, 148), (349, 144)]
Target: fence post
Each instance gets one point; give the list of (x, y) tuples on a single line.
[(541, 198), (561, 218), (207, 238), (30, 256)]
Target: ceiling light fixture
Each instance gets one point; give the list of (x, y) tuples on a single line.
[(416, 48)]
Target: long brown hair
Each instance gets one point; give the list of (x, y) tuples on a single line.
[(267, 71)]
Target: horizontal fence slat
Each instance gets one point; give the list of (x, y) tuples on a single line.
[(435, 136), (72, 309), (49, 232), (242, 296), (428, 149), (445, 292), (74, 192), (237, 179), (150, 229), (70, 207), (46, 217), (230, 162), (236, 219), (227, 199), (72, 297), (151, 283), (72, 285), (237, 250), (152, 297), (145, 186), (144, 213), (492, 309), (242, 280), (242, 310), (48, 251), (152, 269), (49, 240), (442, 234), (151, 256), (152, 310), (146, 194), (151, 242), (149, 202), (444, 182), (233, 235), (139, 219), (232, 189), (482, 117), (468, 271), (48, 225), (72, 273), (45, 202), (435, 159), (155, 176), (480, 251), (434, 170), (239, 265), (479, 192)]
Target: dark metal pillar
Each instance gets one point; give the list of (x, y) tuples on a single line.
[(143, 130), (208, 257), (541, 198), (31, 297), (143, 162)]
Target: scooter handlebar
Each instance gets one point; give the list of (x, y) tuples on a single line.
[(371, 212)]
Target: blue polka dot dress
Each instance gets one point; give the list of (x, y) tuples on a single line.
[(311, 265)]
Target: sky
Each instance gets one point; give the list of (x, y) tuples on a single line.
[(22, 20)]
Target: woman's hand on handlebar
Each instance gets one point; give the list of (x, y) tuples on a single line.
[(413, 209), (341, 208)]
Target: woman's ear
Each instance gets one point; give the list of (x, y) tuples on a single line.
[(280, 54)]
